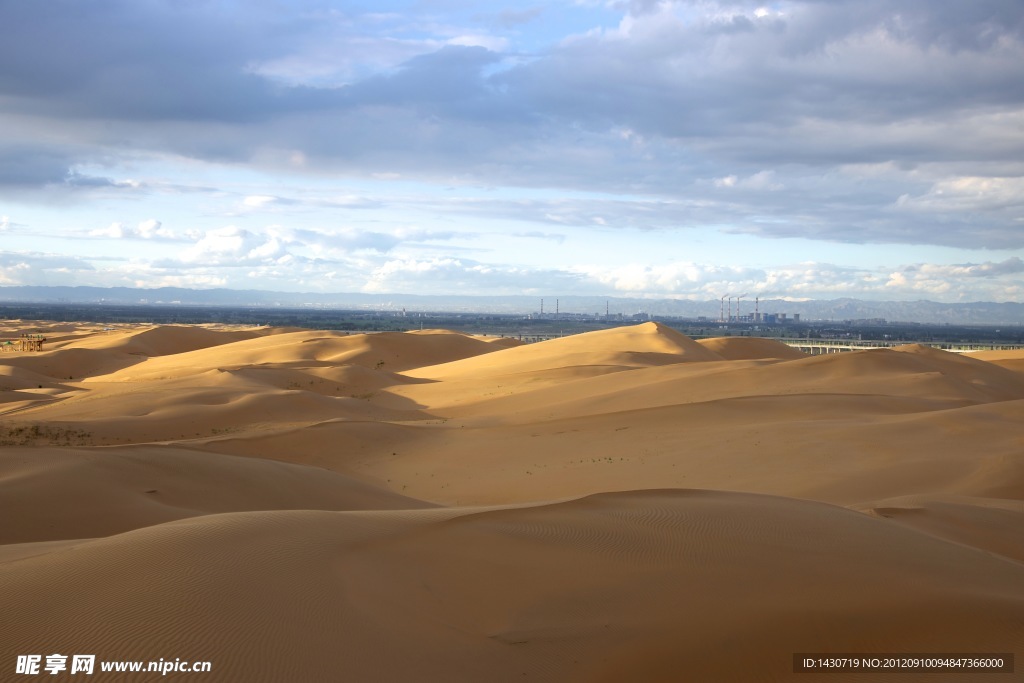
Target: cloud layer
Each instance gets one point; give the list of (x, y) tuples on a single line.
[(859, 122)]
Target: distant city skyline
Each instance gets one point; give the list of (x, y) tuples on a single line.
[(811, 149), (45, 301)]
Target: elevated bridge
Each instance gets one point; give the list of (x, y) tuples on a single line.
[(817, 347)]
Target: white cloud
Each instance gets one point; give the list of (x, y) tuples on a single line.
[(113, 231), (988, 281), (493, 43), (188, 280), (985, 281), (464, 276), (233, 246), (762, 180), (258, 201), (1011, 266), (968, 193), (151, 229), (35, 268), (672, 278)]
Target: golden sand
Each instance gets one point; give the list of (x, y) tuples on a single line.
[(294, 505)]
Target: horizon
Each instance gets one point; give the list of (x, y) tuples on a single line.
[(807, 311), (674, 150)]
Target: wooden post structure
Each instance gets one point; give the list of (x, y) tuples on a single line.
[(28, 342)]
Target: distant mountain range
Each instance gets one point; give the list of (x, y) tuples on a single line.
[(973, 313)]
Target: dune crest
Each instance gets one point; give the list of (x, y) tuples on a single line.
[(638, 346), (750, 348)]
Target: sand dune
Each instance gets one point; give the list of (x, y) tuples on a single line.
[(750, 348), (639, 346), (1011, 360), (52, 494), (168, 340), (622, 505), (919, 382), (995, 525), (216, 402), (389, 351), (73, 363), (650, 586), (84, 353)]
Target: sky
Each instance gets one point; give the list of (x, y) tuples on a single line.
[(663, 149)]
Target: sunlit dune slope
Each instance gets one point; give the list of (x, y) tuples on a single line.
[(91, 353), (72, 363), (217, 402), (391, 351), (484, 429), (917, 370), (750, 348), (638, 346), (16, 379), (652, 586), (1011, 360), (55, 333), (242, 383), (844, 450), (923, 378), (165, 340)]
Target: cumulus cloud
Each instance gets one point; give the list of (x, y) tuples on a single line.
[(233, 246), (259, 201), (673, 278), (460, 276), (151, 229), (989, 269), (342, 239), (285, 248), (968, 193)]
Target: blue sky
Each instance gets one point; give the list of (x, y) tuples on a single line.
[(806, 149)]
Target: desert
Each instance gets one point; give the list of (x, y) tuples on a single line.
[(628, 504)]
